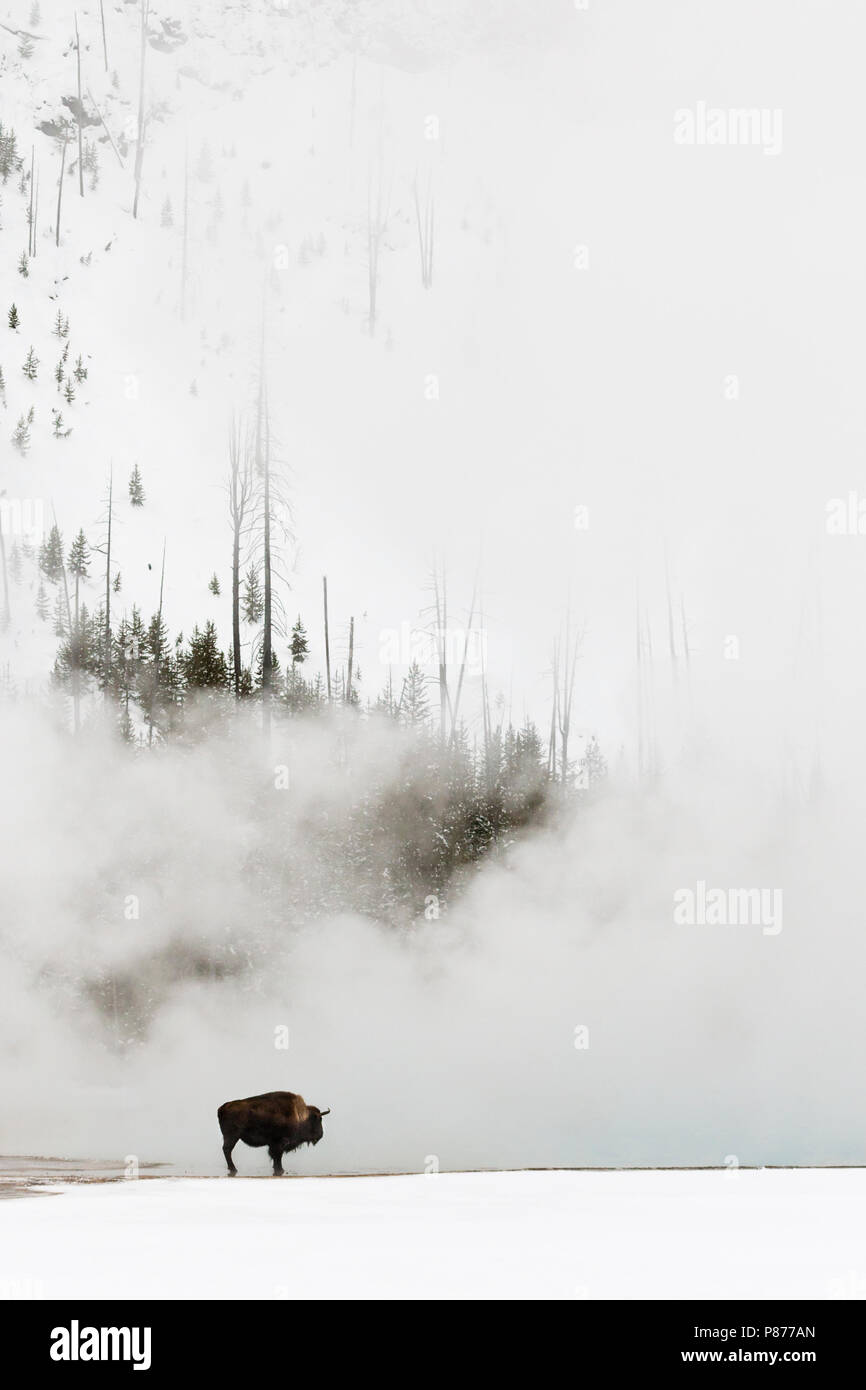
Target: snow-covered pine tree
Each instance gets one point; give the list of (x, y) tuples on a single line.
[(136, 491), (23, 268), (69, 391), (21, 435), (300, 647), (13, 318), (31, 365), (51, 555), (214, 585), (42, 606)]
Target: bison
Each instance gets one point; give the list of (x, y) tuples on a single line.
[(279, 1120)]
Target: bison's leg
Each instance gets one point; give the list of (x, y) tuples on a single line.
[(276, 1155), (228, 1145)]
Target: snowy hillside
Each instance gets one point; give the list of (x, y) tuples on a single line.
[(273, 132)]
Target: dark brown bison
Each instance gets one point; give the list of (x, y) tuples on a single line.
[(280, 1121)]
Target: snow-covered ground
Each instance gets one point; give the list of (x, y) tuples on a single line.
[(560, 1235)]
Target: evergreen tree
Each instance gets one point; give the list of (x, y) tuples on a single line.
[(21, 436), (23, 266), (78, 561), (136, 491), (252, 603), (51, 555), (116, 585), (159, 679), (14, 320), (31, 365), (260, 667), (69, 391), (214, 585), (592, 767), (414, 701), (203, 666), (59, 374), (42, 607), (61, 625), (300, 647), (80, 371)]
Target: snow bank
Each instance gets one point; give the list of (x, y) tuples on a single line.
[(560, 1235)]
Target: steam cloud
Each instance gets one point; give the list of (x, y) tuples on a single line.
[(451, 1042)]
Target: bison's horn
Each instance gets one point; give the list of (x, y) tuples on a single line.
[(325, 1112)]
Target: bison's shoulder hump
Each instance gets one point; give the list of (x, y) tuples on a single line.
[(275, 1098)]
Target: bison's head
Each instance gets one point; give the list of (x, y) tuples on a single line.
[(314, 1123)]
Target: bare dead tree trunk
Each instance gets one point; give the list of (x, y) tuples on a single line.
[(267, 636), (641, 753), (684, 630), (672, 645), (652, 740), (468, 634), (441, 604), (104, 43), (105, 128), (425, 236), (32, 195), (73, 633), (36, 214), (185, 251), (107, 633), (60, 183), (351, 661), (155, 691), (327, 637), (566, 697), (263, 462), (7, 612), (80, 112), (236, 504), (139, 152), (551, 745), (240, 494), (376, 219), (352, 103)]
